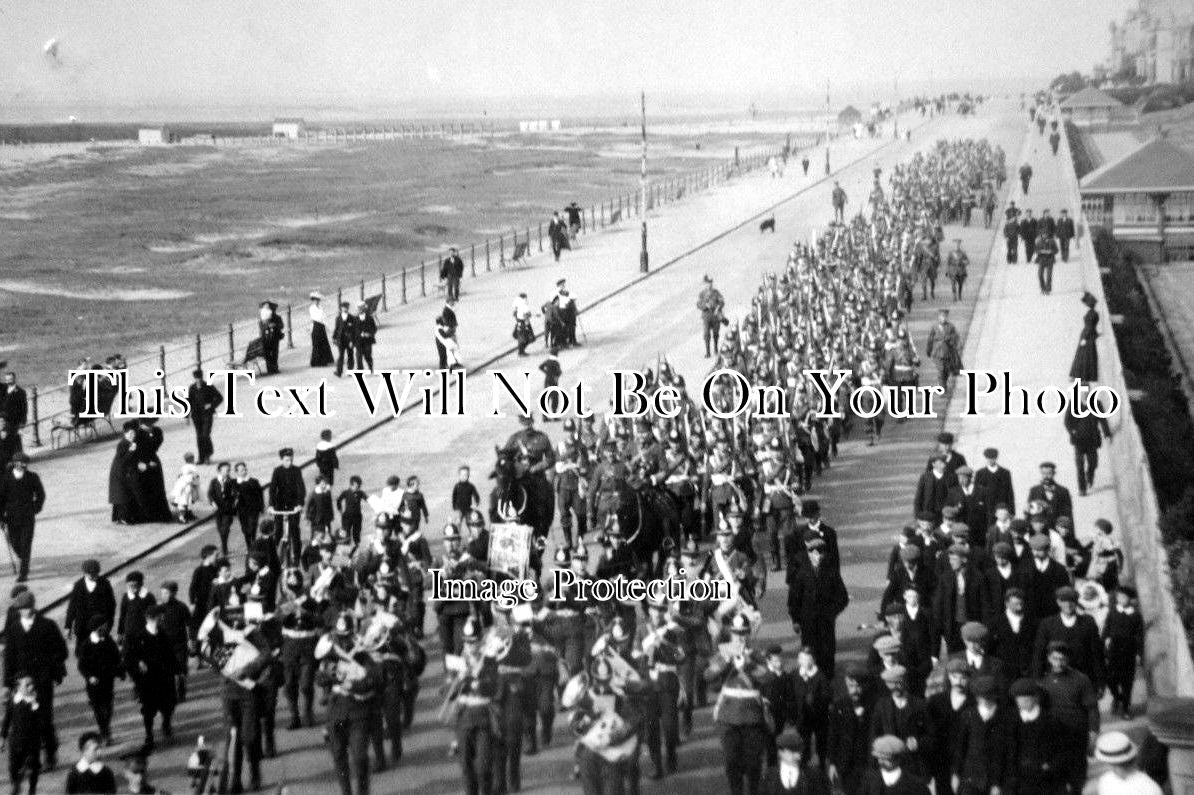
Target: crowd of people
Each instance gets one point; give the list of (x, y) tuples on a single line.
[(997, 632)]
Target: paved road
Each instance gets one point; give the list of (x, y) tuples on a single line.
[(867, 493)]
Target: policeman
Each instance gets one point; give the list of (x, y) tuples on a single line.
[(451, 614), (570, 488), (711, 305), (300, 633), (742, 676)]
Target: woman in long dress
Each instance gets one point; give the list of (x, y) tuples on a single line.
[(1086, 358), (150, 489), (122, 478), (321, 349)]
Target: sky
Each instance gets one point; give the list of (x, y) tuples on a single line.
[(285, 53)]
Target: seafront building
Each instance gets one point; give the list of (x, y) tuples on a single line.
[(1155, 41)]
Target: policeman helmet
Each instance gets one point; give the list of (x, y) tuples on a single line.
[(569, 425), (476, 520), (451, 532), (740, 626), (346, 623), (617, 631), (472, 630), (580, 553), (562, 556)]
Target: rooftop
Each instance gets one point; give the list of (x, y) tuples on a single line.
[(1156, 166)]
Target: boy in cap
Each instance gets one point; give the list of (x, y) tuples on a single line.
[(90, 596), (980, 761), (133, 604), (149, 659), (976, 638), (22, 733), (100, 664), (947, 715), (905, 716), (349, 504), (287, 494), (1123, 634), (791, 774), (364, 333), (891, 776), (21, 499), (1032, 743), (1074, 703), (176, 623)]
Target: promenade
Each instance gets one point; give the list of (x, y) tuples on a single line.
[(866, 495)]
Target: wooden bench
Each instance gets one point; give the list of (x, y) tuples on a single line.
[(254, 353), (519, 255)]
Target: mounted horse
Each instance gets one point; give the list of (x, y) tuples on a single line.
[(522, 497)]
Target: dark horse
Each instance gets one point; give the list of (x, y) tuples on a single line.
[(522, 497), (649, 519)]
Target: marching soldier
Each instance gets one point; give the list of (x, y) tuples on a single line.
[(609, 727), (711, 305), (662, 653), (300, 634), (510, 700), (471, 690), (355, 680), (956, 266), (605, 491), (777, 502), (742, 675)]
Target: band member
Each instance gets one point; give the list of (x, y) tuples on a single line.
[(741, 674)]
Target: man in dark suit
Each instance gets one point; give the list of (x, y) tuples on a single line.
[(910, 573), (947, 714), (981, 762), (1065, 234), (271, 329), (451, 271), (974, 505), (1086, 435), (1003, 574), (996, 480), (1011, 235), (796, 542), (204, 399), (1029, 230), (14, 403), (815, 599), (977, 656), (21, 499), (34, 645), (961, 597), (90, 596), (343, 334), (1013, 634), (1047, 226), (1056, 497), (932, 490), (1046, 254), (364, 335), (791, 776), (287, 495), (945, 447), (1078, 632), (1041, 576), (221, 493), (249, 502)]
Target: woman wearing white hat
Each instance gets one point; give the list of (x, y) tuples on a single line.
[(1118, 752), (321, 349)]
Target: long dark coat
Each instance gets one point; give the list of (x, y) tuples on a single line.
[(1086, 358)]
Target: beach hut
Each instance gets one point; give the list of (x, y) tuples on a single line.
[(289, 128), (153, 136)]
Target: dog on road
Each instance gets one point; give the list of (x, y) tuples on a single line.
[(769, 224)]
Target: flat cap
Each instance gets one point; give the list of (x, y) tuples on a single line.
[(1018, 525), (1024, 687), (1058, 645), (974, 632), (957, 665), (945, 437), (23, 601), (91, 566), (1103, 525), (910, 553), (990, 452), (790, 740), (1065, 594), (1002, 549), (887, 747), (893, 609), (858, 671), (896, 673), (950, 511), (960, 550), (926, 516), (966, 471), (1039, 541)]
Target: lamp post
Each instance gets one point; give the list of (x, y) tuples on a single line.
[(642, 188), (896, 109), (828, 123)]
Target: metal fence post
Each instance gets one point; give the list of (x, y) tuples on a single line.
[(486, 255), (501, 251), (385, 305), (472, 258), (529, 242), (404, 285), (231, 344), (540, 237), (339, 297), (289, 328), (362, 289), (199, 351), (36, 417), (162, 363), (423, 278)]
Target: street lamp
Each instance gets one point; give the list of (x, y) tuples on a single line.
[(828, 123), (642, 188)]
